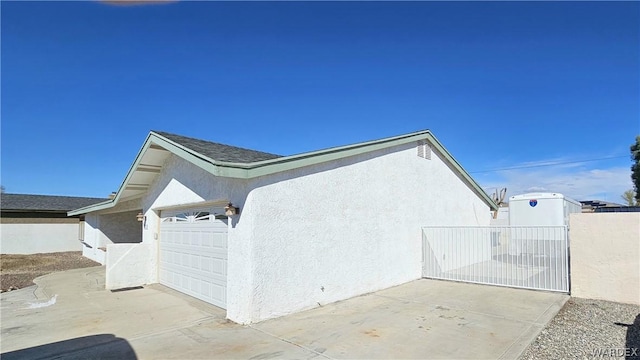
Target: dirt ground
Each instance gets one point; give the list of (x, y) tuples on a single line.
[(18, 271)]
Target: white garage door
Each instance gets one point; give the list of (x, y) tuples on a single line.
[(193, 253)]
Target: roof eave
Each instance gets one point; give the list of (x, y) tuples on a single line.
[(153, 138), (95, 207), (267, 167), (316, 157), (112, 202)]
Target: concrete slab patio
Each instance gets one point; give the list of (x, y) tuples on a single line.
[(70, 315)]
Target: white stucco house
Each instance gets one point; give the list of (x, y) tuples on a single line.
[(308, 229)]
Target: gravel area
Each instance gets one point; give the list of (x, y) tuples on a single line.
[(18, 271), (589, 329)]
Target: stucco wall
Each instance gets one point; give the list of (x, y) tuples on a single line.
[(605, 256), (39, 238), (102, 229), (321, 233), (332, 231), (127, 265), (90, 239), (121, 227)]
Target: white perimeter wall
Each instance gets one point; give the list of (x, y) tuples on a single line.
[(39, 238), (321, 233), (91, 237), (127, 265), (605, 256)]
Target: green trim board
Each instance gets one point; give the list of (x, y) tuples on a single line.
[(286, 163)]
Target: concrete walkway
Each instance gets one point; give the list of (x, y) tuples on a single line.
[(70, 315)]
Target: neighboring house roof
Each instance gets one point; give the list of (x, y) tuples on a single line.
[(599, 203), (234, 162), (605, 206), (608, 209), (44, 203)]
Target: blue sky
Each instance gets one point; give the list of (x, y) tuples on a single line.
[(505, 86)]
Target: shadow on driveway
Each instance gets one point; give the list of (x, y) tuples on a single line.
[(102, 346), (632, 345), (633, 338)]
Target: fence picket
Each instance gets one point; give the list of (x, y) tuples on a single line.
[(515, 256)]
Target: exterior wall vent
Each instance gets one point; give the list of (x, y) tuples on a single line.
[(424, 149)]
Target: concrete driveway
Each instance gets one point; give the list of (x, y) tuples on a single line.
[(70, 315)]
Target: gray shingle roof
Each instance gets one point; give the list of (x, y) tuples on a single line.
[(44, 202), (219, 152)]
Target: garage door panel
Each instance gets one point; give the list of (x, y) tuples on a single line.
[(212, 270), (203, 290), (206, 239), (193, 255), (206, 285), (198, 251)]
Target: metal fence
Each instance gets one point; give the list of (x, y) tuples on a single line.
[(516, 256)]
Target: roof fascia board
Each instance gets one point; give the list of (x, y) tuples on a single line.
[(112, 202), (267, 167), (177, 149), (132, 169), (95, 207), (318, 157), (401, 139), (465, 175), (198, 159)]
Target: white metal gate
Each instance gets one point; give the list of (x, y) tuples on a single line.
[(516, 256)]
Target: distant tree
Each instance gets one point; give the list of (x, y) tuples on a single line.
[(629, 197), (635, 168)]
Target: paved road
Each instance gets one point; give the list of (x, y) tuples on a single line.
[(70, 315)]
